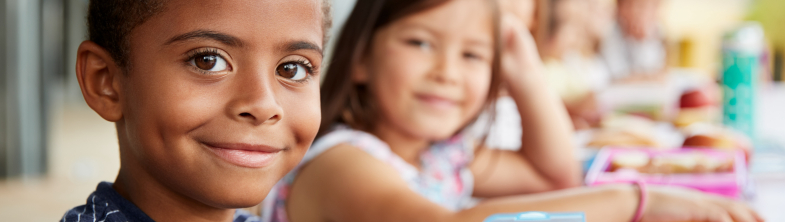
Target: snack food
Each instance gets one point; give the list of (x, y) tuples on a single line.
[(624, 131), (680, 163), (620, 138), (716, 137), (689, 116), (722, 172), (630, 160)]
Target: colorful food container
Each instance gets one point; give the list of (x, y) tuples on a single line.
[(714, 171)]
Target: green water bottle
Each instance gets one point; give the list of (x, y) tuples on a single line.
[(741, 52)]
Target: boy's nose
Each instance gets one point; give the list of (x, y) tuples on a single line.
[(255, 103)]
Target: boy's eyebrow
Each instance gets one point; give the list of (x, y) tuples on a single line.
[(300, 45), (207, 34)]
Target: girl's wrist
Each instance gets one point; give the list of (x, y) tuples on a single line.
[(624, 200), (527, 80), (524, 71), (642, 200)]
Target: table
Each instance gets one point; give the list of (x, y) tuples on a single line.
[(768, 164)]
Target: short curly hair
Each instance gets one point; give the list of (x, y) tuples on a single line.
[(109, 23)]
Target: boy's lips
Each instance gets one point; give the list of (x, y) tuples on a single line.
[(244, 155)]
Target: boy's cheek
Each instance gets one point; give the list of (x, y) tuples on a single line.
[(304, 114)]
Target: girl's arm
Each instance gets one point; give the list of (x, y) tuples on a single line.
[(546, 159), (347, 184)]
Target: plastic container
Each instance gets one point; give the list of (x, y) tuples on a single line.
[(741, 52), (538, 217), (729, 184)]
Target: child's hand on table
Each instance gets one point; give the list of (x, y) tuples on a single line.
[(681, 204)]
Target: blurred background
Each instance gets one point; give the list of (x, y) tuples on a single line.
[(54, 149)]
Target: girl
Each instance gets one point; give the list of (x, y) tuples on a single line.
[(408, 77)]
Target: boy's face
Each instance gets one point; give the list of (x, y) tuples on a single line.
[(220, 100)]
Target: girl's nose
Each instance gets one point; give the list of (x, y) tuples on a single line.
[(445, 69)]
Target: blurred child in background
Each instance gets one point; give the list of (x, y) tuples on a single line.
[(635, 50), (407, 79), (571, 32)]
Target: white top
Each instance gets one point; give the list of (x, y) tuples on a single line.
[(624, 55)]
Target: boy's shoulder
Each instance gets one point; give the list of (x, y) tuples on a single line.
[(105, 204)]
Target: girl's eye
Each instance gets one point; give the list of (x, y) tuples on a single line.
[(293, 71), (471, 56), (210, 62), (422, 44)]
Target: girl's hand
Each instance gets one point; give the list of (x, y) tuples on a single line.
[(680, 204), (519, 55)]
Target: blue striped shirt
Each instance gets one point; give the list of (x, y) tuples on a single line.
[(106, 205)]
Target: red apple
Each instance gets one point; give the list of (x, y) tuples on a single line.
[(694, 99)]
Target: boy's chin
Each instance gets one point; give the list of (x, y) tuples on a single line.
[(231, 193), (235, 199)]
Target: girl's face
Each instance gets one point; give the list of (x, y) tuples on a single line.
[(221, 98), (430, 72)]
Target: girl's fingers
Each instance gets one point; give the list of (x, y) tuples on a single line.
[(740, 212), (520, 55), (509, 31), (713, 213), (741, 215), (722, 217), (757, 216), (516, 35)]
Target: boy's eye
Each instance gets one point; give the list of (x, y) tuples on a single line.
[(212, 63), (293, 71)]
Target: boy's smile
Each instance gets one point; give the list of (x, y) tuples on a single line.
[(219, 101), (244, 154)]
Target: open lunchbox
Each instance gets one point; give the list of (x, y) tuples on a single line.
[(722, 172)]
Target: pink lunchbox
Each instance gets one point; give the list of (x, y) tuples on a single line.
[(729, 183)]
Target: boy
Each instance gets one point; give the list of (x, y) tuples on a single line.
[(213, 102)]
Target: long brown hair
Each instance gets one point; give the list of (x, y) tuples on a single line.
[(344, 101)]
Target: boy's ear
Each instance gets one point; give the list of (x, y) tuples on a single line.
[(98, 76)]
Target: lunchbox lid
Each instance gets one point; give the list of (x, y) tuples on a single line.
[(598, 173)]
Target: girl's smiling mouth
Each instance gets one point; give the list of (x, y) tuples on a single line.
[(243, 154), (436, 101)]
